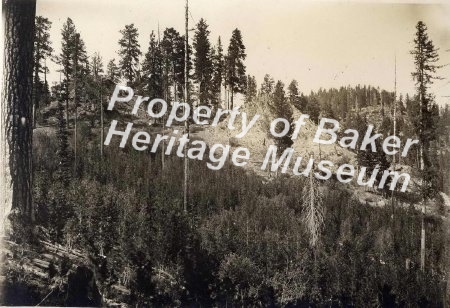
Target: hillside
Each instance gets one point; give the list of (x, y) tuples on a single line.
[(257, 140)]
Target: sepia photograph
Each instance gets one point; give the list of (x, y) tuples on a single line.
[(228, 153)]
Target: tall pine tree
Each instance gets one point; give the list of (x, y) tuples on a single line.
[(235, 68), (203, 64), (294, 95), (152, 69), (282, 109), (112, 71), (129, 53), (172, 46), (267, 85), (65, 61), (218, 73), (425, 58), (42, 51), (96, 65)]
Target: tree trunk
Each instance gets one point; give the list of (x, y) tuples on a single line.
[(102, 132), (186, 99), (36, 92), (16, 120), (232, 96)]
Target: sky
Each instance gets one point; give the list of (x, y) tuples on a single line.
[(320, 44)]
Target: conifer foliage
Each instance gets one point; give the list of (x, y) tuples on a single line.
[(282, 109), (152, 69), (129, 53), (235, 68), (425, 59), (203, 65)]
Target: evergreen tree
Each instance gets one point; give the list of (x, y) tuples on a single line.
[(425, 58), (59, 209), (235, 68), (65, 60), (327, 110), (267, 86), (80, 62), (172, 46), (251, 90), (342, 108), (313, 109), (97, 65), (152, 69), (112, 71), (63, 172), (218, 72), (371, 160), (129, 53), (170, 57), (203, 64), (294, 98), (73, 60), (80, 74), (42, 51), (282, 109)]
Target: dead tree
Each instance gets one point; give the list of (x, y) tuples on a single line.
[(313, 215)]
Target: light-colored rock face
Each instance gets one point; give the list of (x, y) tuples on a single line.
[(258, 139)]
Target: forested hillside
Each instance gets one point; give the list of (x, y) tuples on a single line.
[(109, 225)]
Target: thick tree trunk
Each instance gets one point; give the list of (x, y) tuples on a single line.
[(16, 109)]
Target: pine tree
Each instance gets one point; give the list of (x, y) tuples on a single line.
[(80, 63), (312, 108), (218, 73), (425, 58), (63, 173), (282, 109), (152, 69), (267, 85), (235, 68), (97, 65), (80, 72), (65, 60), (203, 64), (327, 110), (129, 53), (79, 56), (294, 98), (251, 89), (172, 46), (42, 51), (112, 71)]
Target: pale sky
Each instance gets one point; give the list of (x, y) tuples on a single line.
[(321, 44)]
